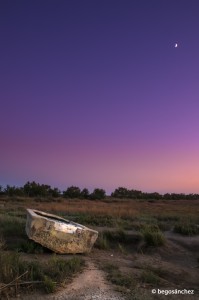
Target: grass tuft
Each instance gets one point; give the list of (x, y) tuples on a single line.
[(153, 236), (48, 274), (116, 277), (10, 225), (102, 242), (186, 228), (149, 276), (49, 284), (29, 246)]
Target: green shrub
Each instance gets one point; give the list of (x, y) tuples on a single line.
[(58, 268), (186, 228), (153, 236), (49, 284)]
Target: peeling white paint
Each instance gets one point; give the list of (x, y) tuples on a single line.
[(68, 228)]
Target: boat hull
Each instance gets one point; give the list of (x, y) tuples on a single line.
[(58, 234)]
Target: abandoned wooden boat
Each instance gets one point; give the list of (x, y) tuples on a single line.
[(58, 234)]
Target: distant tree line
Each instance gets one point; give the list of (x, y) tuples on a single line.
[(122, 192), (33, 189)]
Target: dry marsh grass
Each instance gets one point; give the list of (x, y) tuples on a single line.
[(125, 208), (92, 207)]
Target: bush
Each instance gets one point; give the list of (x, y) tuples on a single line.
[(58, 268), (186, 228), (49, 284), (152, 235)]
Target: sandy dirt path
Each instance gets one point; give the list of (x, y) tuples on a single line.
[(91, 284)]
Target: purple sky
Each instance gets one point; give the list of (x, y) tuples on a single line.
[(95, 94)]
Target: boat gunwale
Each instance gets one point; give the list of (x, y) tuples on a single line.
[(51, 217)]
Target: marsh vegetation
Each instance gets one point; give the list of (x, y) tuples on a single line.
[(140, 245)]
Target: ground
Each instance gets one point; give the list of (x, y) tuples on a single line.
[(171, 266), (177, 261)]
